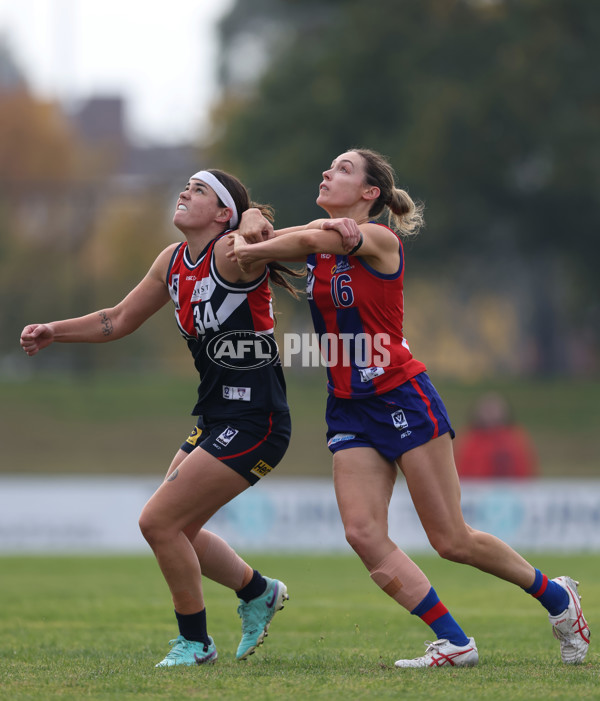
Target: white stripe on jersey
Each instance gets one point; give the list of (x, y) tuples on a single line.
[(229, 305)]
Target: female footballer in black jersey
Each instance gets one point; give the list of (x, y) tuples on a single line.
[(243, 427)]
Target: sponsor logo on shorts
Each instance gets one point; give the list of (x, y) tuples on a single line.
[(192, 439), (261, 468), (399, 419), (339, 437), (227, 436), (240, 394)]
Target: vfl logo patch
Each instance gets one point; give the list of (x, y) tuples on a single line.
[(399, 419), (261, 469), (174, 289), (227, 436), (192, 439), (339, 437)]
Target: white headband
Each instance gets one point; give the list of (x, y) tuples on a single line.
[(222, 193)]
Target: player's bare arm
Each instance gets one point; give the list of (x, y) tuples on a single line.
[(379, 247)]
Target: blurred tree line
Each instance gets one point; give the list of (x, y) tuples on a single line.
[(489, 111), (75, 236)]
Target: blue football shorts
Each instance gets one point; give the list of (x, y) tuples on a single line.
[(392, 423), (251, 445)]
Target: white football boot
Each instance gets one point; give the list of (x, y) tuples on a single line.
[(442, 653), (570, 627)]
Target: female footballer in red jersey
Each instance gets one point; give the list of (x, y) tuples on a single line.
[(383, 412), (243, 427)]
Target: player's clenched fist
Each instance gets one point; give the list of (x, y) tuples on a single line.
[(35, 337)]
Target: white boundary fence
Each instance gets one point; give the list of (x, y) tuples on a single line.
[(74, 514)]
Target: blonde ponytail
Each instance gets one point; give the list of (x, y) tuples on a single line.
[(404, 215)]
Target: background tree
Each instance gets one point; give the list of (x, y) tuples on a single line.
[(72, 239), (489, 112)]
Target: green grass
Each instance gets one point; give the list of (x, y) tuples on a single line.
[(134, 424), (93, 628)]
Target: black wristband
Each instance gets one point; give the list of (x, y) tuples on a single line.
[(358, 245)]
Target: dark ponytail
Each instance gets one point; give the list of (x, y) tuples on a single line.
[(278, 273)]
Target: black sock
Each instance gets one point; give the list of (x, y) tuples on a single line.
[(255, 587), (193, 626)]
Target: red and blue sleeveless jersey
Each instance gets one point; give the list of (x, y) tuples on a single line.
[(229, 331), (358, 314)]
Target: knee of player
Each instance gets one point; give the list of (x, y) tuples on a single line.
[(449, 547), (361, 535), (149, 526)]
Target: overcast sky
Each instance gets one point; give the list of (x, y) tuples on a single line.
[(159, 54)]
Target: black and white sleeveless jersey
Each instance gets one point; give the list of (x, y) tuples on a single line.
[(229, 331)]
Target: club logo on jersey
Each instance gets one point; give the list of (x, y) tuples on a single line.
[(399, 419), (261, 468), (242, 350), (227, 436)]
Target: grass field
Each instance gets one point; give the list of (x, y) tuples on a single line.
[(133, 424), (93, 628)]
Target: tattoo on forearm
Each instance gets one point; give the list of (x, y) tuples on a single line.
[(107, 327)]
